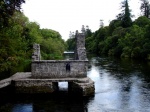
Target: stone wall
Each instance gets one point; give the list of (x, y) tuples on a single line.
[(33, 86), (59, 69)]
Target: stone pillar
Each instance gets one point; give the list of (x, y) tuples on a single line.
[(83, 29), (36, 52), (80, 51), (55, 86), (83, 87)]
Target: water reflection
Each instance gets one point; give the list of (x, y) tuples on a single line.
[(23, 108), (120, 86), (60, 102)]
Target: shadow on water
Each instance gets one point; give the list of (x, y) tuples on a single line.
[(59, 101)]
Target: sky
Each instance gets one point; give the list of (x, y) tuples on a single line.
[(64, 16)]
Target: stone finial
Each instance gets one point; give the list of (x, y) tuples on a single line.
[(83, 29), (77, 32)]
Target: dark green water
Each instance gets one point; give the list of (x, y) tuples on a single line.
[(120, 86)]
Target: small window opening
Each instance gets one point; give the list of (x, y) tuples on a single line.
[(68, 67)]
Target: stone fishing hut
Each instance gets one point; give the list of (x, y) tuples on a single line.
[(46, 74)]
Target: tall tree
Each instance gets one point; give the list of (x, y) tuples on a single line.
[(126, 19), (7, 9), (145, 8)]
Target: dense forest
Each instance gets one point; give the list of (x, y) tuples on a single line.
[(17, 36), (123, 37)]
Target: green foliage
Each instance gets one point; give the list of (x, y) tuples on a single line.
[(71, 43), (52, 48), (16, 44), (126, 18), (48, 33), (122, 38), (7, 9), (142, 21), (13, 45), (90, 44), (113, 25), (88, 33), (126, 42), (52, 45)]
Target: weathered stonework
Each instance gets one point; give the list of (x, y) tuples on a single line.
[(78, 86), (36, 53), (33, 86), (82, 88), (80, 52), (58, 69)]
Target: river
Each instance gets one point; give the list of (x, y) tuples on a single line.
[(121, 85)]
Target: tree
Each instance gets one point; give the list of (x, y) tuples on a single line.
[(145, 8), (16, 44), (113, 25), (48, 33), (71, 44), (7, 9), (52, 45), (142, 21), (88, 32), (126, 19)]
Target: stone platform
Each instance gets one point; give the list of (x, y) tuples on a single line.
[(83, 86)]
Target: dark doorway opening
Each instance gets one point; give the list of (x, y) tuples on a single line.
[(68, 67)]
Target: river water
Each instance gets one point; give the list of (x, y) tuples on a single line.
[(121, 85)]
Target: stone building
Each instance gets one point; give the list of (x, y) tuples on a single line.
[(46, 74)]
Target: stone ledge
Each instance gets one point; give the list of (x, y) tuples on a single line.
[(59, 61), (78, 80), (5, 82), (19, 75)]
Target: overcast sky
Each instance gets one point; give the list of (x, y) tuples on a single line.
[(69, 15)]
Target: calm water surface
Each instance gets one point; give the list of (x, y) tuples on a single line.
[(120, 86)]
